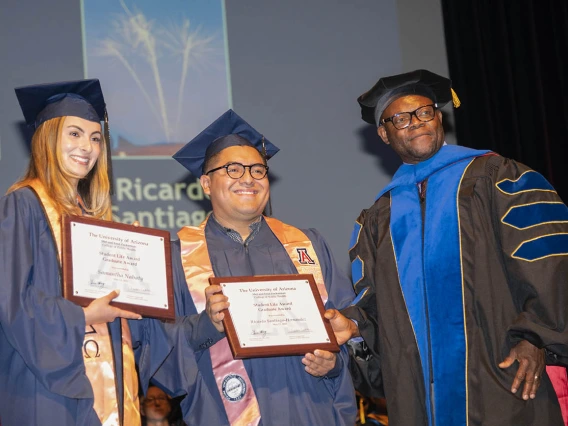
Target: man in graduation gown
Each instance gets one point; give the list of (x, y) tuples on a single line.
[(237, 240), (461, 268)]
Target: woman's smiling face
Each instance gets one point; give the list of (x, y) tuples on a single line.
[(80, 147)]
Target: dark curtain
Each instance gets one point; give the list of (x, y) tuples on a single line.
[(508, 62)]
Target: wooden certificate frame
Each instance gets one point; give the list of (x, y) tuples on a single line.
[(278, 315), (99, 256)]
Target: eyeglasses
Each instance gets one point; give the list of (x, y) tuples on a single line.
[(403, 119), (152, 400), (237, 170)]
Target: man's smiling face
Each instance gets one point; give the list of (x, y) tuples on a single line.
[(236, 200), (421, 139)]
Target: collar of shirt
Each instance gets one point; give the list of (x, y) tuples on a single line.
[(235, 236)]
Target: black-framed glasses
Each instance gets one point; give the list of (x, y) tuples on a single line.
[(237, 170), (403, 119)]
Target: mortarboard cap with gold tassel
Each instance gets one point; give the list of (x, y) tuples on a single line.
[(420, 82)]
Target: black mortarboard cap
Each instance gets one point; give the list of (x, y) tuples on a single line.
[(42, 102), (419, 82), (228, 130)]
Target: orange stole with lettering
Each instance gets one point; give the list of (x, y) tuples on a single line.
[(197, 269), (97, 347)]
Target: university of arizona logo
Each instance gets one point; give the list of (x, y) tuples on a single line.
[(303, 257), (234, 387)]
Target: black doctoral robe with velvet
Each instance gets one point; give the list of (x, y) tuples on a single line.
[(513, 249)]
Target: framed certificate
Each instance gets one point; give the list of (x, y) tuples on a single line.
[(275, 315), (99, 256)]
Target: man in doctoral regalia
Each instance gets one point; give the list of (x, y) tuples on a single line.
[(461, 267)]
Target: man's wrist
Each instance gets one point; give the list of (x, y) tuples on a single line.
[(354, 328)]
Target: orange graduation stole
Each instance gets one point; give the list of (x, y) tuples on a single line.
[(230, 374), (97, 347)]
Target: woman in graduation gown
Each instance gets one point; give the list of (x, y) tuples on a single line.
[(60, 364)]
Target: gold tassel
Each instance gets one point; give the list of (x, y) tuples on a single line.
[(456, 101), (263, 151), (361, 411), (268, 208)]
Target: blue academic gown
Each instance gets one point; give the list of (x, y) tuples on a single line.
[(42, 373), (286, 394)]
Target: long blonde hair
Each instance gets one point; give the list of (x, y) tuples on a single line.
[(47, 167)]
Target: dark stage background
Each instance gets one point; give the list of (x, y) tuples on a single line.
[(508, 62)]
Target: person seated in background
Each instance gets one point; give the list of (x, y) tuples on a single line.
[(157, 409)]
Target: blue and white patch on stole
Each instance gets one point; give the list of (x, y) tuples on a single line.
[(234, 387)]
